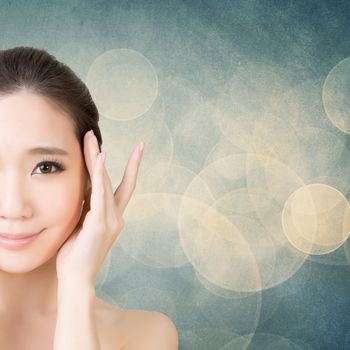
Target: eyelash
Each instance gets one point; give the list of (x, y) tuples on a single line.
[(54, 162)]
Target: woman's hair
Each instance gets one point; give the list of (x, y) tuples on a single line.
[(39, 72)]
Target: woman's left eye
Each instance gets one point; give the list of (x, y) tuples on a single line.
[(48, 165)]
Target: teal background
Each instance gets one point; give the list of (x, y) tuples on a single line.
[(239, 57)]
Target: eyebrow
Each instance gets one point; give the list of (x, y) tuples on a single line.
[(48, 150)]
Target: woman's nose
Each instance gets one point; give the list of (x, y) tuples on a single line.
[(13, 199)]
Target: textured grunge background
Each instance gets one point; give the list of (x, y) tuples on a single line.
[(238, 227)]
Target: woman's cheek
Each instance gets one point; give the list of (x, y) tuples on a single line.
[(63, 207)]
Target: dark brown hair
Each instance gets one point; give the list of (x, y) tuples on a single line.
[(39, 72)]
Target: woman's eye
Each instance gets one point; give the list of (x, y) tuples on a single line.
[(46, 167)]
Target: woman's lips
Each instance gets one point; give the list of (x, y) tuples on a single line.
[(16, 236), (17, 243)]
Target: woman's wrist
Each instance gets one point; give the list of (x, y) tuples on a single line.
[(75, 289), (76, 326)]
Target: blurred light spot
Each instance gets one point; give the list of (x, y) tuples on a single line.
[(123, 84), (316, 219)]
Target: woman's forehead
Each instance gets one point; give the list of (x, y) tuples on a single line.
[(31, 114), (30, 103), (32, 125)]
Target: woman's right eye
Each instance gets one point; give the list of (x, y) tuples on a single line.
[(49, 164)]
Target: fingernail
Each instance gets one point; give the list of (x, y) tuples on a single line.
[(141, 147)]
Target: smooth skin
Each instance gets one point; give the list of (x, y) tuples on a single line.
[(83, 254), (155, 331), (29, 201)]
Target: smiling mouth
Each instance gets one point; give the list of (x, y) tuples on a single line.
[(17, 236), (17, 244)]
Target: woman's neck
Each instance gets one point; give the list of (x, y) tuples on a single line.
[(30, 293)]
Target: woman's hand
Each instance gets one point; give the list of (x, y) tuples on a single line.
[(82, 254)]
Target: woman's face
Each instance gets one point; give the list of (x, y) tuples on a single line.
[(32, 197)]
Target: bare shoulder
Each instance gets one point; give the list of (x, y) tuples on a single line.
[(150, 330), (121, 329), (110, 325)]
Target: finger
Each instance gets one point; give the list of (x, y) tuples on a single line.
[(91, 151), (111, 214), (98, 198), (108, 184), (127, 186)]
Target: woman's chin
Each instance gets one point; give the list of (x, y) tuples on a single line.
[(25, 263)]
